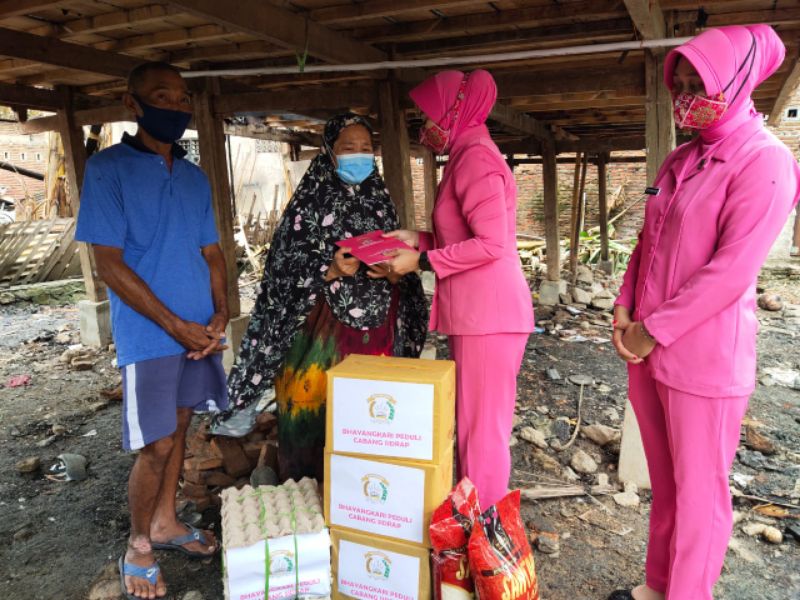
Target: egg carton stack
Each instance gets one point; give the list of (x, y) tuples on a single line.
[(275, 542)]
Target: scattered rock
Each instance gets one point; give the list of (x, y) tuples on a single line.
[(581, 296), (771, 302), (601, 434), (65, 339), (113, 393), (81, 364), (513, 441), (584, 275), (630, 497), (548, 543), (565, 298), (772, 535), (562, 429), (192, 595), (793, 529), (23, 533), (755, 440), (553, 374), (106, 584), (738, 517), (58, 429), (603, 303), (516, 422), (754, 529), (534, 436), (47, 441), (583, 463), (570, 475), (29, 465), (98, 406), (547, 462)]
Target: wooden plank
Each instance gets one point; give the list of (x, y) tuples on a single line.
[(56, 252), (42, 99), (659, 123), (380, 9), (578, 212), (537, 16), (20, 239), (295, 101), (602, 194), (38, 251), (785, 95), (284, 28), (396, 152), (431, 181), (213, 157), (18, 44), (75, 158), (108, 114), (14, 8), (648, 18), (570, 81), (109, 21), (550, 183)]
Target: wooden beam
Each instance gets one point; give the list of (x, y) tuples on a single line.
[(648, 18), (260, 48), (112, 113), (659, 123), (381, 9), (301, 138), (518, 121), (537, 16), (576, 222), (15, 8), (213, 160), (43, 99), (283, 28), (75, 157), (623, 79), (109, 21), (50, 51), (550, 183), (295, 101), (785, 95), (395, 150)]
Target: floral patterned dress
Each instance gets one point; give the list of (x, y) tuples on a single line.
[(301, 325)]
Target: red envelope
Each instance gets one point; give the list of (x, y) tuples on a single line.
[(371, 248)]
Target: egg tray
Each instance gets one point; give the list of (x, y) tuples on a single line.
[(251, 515)]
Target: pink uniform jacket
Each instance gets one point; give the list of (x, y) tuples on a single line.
[(480, 287), (723, 200)]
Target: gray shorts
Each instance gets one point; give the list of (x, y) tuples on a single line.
[(154, 390)]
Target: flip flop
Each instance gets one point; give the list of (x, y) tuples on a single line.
[(194, 535), (150, 574)]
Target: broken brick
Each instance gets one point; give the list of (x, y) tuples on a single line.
[(234, 460)]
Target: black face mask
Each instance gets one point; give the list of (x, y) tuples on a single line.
[(163, 124)]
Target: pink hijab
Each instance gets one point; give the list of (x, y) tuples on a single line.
[(733, 60), (437, 94)]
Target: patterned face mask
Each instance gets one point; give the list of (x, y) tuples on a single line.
[(436, 137), (692, 111)]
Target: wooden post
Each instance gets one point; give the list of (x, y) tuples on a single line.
[(213, 159), (660, 128), (550, 176), (431, 184), (576, 223), (72, 140), (395, 151), (602, 193)]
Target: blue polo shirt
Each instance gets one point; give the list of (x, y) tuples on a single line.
[(161, 220)]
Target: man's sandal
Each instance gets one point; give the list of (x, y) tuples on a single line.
[(149, 574), (178, 543)]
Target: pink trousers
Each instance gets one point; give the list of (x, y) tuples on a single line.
[(486, 392), (690, 443)]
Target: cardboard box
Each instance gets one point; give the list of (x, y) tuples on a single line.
[(399, 408), (393, 499), (369, 568)]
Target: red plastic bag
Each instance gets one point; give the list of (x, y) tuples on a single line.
[(451, 526), (500, 556)]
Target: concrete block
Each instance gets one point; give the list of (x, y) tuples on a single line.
[(234, 333), (95, 323), (550, 291), (632, 461)]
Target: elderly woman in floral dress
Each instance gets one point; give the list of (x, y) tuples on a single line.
[(317, 304)]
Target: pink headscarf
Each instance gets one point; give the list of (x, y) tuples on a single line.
[(738, 58), (437, 94)]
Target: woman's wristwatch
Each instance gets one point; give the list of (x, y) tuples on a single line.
[(424, 263)]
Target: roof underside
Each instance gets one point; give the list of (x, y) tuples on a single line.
[(588, 96)]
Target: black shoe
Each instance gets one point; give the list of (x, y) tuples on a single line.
[(621, 595)]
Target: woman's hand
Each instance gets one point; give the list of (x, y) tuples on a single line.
[(383, 270), (411, 238), (637, 340), (342, 266), (622, 321), (403, 261)]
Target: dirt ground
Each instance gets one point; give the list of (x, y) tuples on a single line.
[(60, 538)]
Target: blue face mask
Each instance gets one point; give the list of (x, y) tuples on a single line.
[(163, 124), (354, 168)]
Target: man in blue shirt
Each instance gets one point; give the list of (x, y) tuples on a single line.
[(147, 213)]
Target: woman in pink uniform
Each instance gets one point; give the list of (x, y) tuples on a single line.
[(685, 317), (482, 301)]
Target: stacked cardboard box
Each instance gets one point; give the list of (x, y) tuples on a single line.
[(388, 465)]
